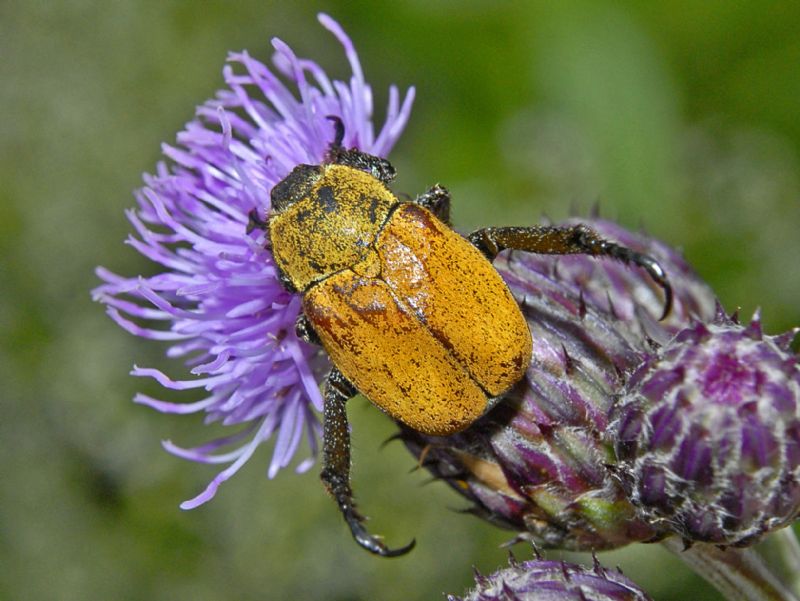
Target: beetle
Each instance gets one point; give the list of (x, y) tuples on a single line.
[(412, 315)]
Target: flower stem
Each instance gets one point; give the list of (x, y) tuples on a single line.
[(739, 574), (781, 550)]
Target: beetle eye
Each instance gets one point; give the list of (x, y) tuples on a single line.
[(294, 187)]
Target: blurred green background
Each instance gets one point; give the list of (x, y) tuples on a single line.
[(679, 116)]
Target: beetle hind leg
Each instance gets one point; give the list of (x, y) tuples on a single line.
[(569, 240), (336, 471)]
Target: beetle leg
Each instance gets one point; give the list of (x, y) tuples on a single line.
[(336, 471), (376, 166), (575, 239), (305, 331), (437, 201)]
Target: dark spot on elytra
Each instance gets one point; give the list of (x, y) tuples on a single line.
[(327, 199), (346, 287), (373, 210)]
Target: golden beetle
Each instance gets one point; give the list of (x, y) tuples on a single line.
[(411, 314)]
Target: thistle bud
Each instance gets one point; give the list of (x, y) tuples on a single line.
[(538, 463), (540, 580), (707, 433)]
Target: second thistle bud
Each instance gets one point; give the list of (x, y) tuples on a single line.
[(541, 580), (707, 434)]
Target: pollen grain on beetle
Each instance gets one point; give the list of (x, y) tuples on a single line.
[(217, 298)]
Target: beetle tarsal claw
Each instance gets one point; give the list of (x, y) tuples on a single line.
[(373, 543), (659, 276)]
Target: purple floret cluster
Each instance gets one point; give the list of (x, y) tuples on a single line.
[(216, 297), (708, 433), (543, 580)]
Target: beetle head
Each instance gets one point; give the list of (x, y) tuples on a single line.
[(377, 167)]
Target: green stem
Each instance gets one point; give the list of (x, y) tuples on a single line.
[(739, 574), (782, 551)]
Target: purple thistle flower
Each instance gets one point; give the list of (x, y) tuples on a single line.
[(543, 580), (707, 433), (217, 298)]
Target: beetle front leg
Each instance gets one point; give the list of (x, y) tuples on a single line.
[(337, 154), (255, 222), (576, 239), (336, 470), (437, 201)]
